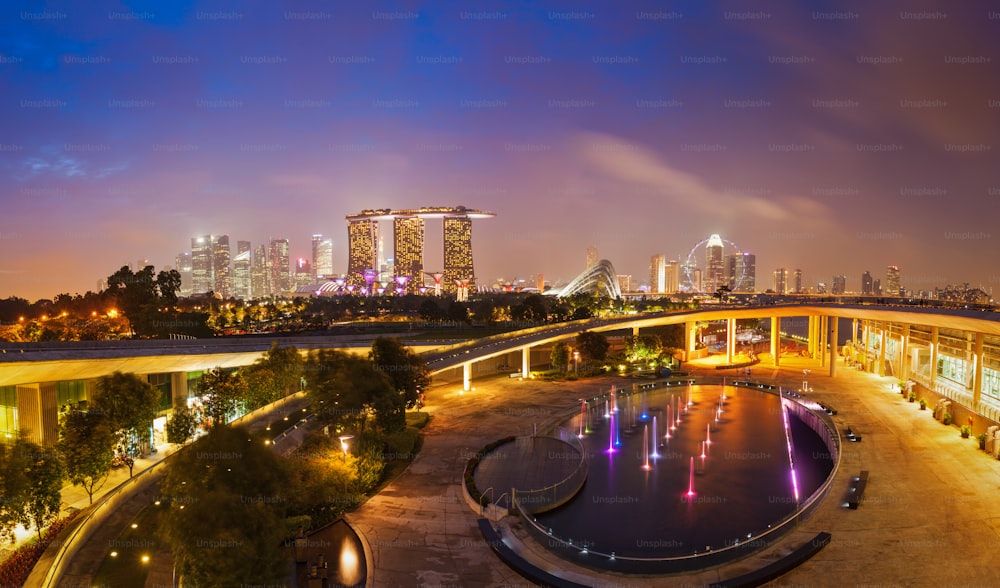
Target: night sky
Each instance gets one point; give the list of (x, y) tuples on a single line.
[(836, 137)]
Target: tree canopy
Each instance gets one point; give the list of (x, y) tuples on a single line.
[(130, 404), (86, 443)]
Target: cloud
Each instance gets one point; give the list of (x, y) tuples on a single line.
[(645, 169), (66, 167)]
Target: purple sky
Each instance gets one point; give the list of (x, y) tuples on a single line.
[(836, 138)]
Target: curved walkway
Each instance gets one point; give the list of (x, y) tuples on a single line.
[(929, 515)]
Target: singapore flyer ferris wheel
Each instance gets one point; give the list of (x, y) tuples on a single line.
[(712, 263)]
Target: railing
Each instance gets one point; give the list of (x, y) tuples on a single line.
[(819, 421), (539, 500)]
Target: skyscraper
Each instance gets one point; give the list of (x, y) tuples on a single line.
[(457, 251), (183, 265), (780, 280), (280, 271), (242, 273), (672, 281), (839, 284), (202, 265), (892, 286), (259, 276), (408, 249), (713, 277), (624, 282), (362, 252), (866, 284), (592, 257), (658, 274), (303, 273), (798, 282), (741, 271), (322, 257), (220, 266)]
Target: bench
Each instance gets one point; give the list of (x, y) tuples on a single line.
[(858, 490), (851, 436), (827, 408)]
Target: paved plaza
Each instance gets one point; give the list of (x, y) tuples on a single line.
[(928, 518)]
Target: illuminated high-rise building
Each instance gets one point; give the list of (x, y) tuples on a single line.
[(658, 274), (741, 272), (839, 284), (280, 274), (222, 278), (457, 251), (624, 282), (797, 277), (713, 276), (672, 277), (592, 257), (182, 263), (202, 265), (322, 257), (780, 280), (892, 286), (242, 274), (362, 248), (303, 273), (408, 249), (866, 284), (259, 276)]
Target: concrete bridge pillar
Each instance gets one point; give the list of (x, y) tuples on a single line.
[(776, 340), (690, 334), (935, 334), (881, 350), (467, 376), (635, 331), (835, 338), (824, 326), (178, 389), (977, 367), (904, 362), (525, 362), (730, 340)]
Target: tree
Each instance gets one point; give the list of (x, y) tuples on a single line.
[(222, 392), (227, 506), (458, 312), (285, 364), (594, 346), (182, 425), (40, 490), (347, 389), (142, 295), (86, 444), (643, 347), (430, 310), (560, 356), (407, 371), (130, 404)]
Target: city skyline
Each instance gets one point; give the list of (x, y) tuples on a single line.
[(836, 141)]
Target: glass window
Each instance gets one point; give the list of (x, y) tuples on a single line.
[(991, 383), (8, 414), (954, 369), (71, 392), (162, 383)]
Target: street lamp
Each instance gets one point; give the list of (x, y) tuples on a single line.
[(805, 383), (576, 362), (343, 443)]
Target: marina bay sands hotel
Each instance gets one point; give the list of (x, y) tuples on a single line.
[(408, 245)]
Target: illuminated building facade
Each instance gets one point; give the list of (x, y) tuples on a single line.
[(657, 274), (741, 271), (408, 249), (780, 280), (242, 271), (362, 248), (202, 265), (279, 274), (892, 286), (322, 257), (258, 273), (457, 251), (713, 277), (222, 273)]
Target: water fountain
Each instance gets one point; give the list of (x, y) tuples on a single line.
[(655, 454), (645, 447), (690, 491)]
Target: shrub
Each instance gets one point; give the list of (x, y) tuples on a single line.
[(946, 419)]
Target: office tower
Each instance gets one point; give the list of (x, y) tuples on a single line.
[(222, 279), (780, 280), (839, 284), (362, 252), (877, 288), (183, 265), (624, 282), (202, 265), (696, 279), (242, 278), (457, 251), (280, 274), (259, 276), (540, 282), (672, 279), (658, 274), (322, 258), (741, 272), (866, 284), (713, 277), (408, 249), (303, 273), (592, 257), (797, 281), (892, 286)]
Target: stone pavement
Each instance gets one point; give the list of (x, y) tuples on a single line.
[(928, 517)]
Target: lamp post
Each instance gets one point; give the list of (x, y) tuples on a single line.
[(576, 362), (343, 443)]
